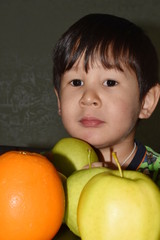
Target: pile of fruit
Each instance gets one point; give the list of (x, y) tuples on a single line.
[(39, 194)]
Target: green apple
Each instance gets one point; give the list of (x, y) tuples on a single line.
[(70, 154), (115, 207), (74, 185)]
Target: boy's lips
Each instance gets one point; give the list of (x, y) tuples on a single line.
[(91, 122)]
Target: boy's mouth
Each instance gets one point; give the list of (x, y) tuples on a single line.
[(91, 122)]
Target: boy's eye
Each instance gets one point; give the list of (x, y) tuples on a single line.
[(76, 82), (110, 83)]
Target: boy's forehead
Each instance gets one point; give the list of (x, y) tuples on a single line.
[(95, 63), (98, 57), (106, 60)]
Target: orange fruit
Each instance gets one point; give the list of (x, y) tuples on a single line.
[(32, 200)]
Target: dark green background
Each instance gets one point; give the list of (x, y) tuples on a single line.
[(28, 31)]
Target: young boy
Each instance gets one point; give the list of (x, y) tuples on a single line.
[(106, 80)]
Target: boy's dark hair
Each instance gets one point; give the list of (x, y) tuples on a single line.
[(98, 35)]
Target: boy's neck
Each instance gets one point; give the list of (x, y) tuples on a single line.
[(125, 156)]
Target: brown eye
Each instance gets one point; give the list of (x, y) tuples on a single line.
[(76, 82), (110, 83)]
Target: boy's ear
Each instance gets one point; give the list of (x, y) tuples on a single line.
[(150, 102), (58, 101)]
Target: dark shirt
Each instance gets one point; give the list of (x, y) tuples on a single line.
[(146, 161)]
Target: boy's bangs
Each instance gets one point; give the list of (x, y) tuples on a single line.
[(108, 53)]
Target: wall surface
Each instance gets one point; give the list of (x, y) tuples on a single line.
[(29, 29)]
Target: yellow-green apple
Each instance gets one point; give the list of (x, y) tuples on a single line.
[(70, 154), (74, 185), (116, 207)]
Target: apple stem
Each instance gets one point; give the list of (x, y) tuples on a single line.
[(118, 164), (89, 157)]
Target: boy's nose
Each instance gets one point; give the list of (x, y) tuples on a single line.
[(90, 98)]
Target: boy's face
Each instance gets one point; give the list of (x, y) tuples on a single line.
[(101, 106)]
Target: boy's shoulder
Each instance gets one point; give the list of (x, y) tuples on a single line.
[(151, 165)]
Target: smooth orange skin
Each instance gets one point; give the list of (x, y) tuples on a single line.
[(32, 200)]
